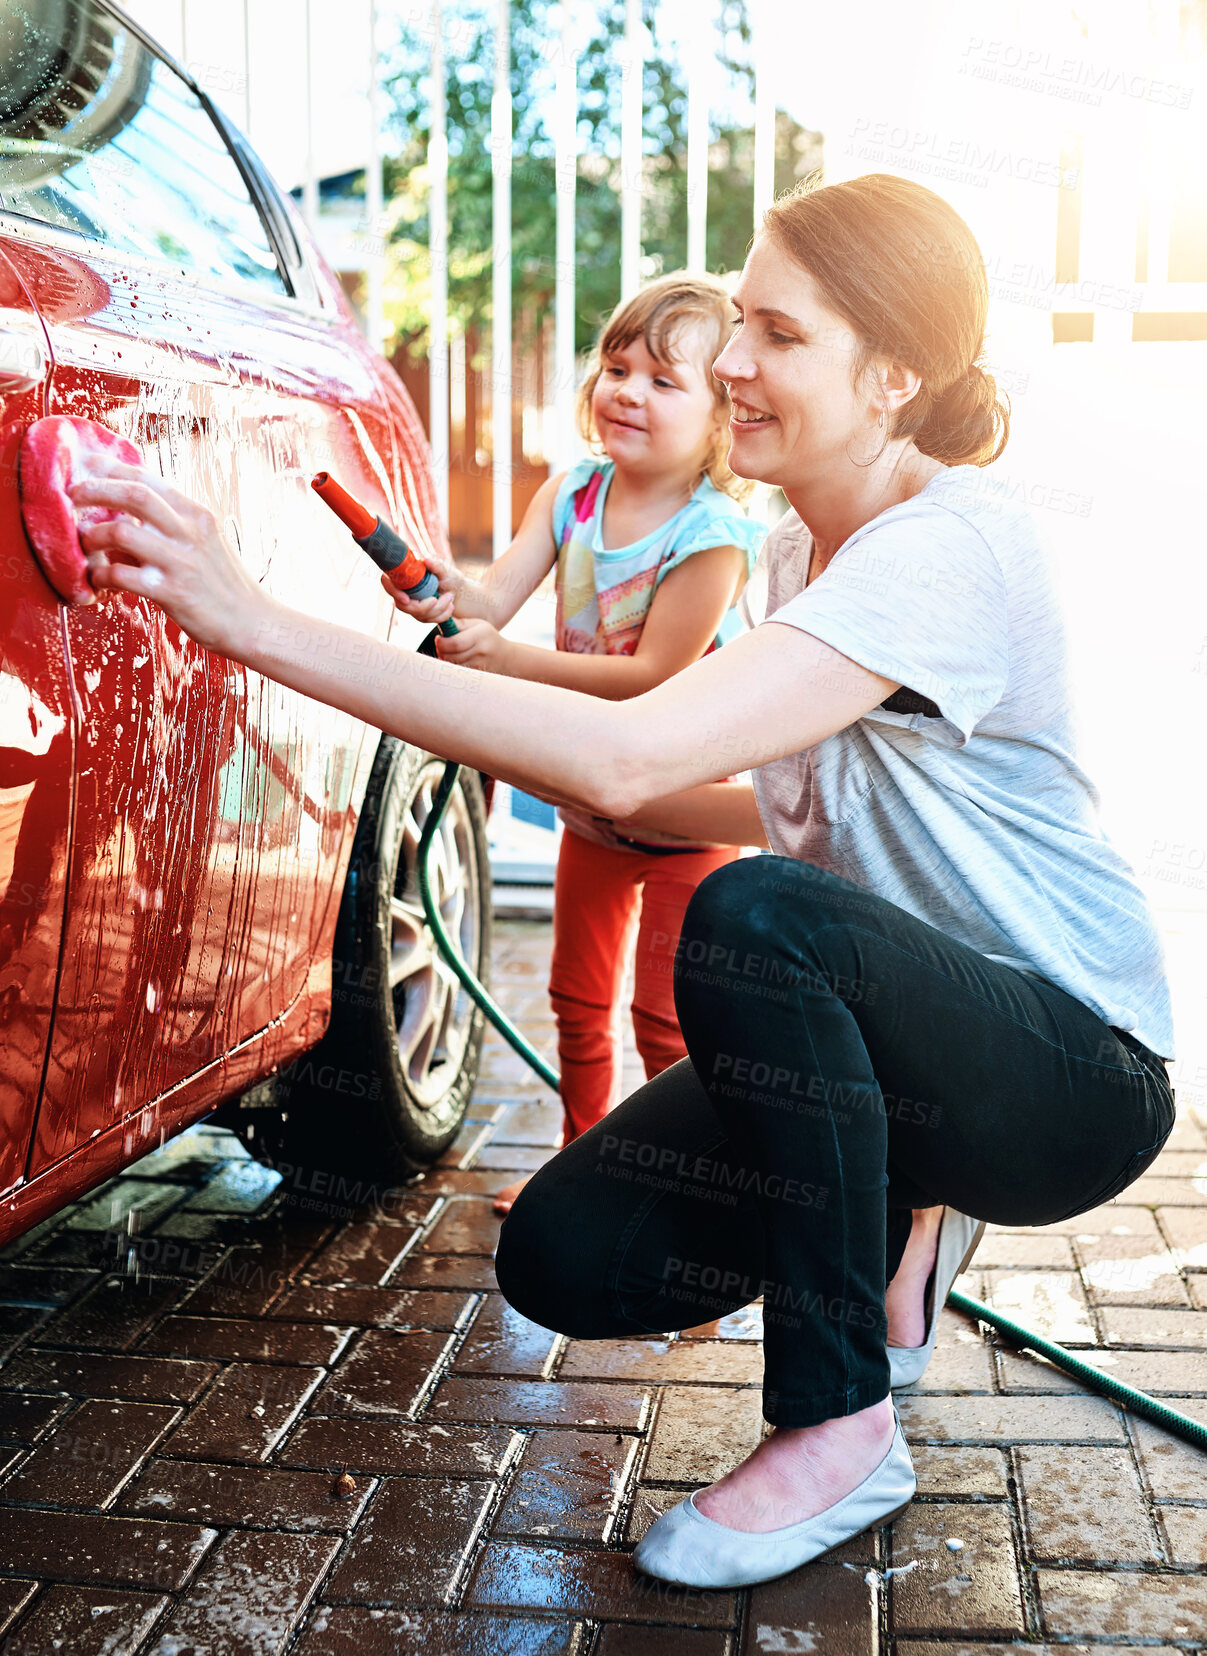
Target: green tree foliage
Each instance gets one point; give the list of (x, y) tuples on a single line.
[(469, 83)]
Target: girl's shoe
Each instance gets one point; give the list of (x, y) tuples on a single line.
[(958, 1239), (686, 1547)]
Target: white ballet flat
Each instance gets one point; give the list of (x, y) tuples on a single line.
[(686, 1547), (958, 1239)]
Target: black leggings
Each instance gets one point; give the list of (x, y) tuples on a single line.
[(848, 1063)]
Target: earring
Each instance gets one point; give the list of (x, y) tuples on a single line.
[(880, 418)]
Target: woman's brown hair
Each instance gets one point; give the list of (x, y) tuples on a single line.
[(901, 267), (660, 314)]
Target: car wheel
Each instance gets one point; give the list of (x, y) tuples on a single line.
[(385, 1091)]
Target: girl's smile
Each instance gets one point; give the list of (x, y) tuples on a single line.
[(623, 425)]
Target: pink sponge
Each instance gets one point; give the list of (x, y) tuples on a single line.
[(54, 453)]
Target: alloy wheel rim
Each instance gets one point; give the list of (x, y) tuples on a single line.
[(433, 1013)]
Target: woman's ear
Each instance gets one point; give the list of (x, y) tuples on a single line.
[(896, 385)]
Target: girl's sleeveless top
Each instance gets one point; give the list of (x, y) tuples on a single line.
[(604, 593)]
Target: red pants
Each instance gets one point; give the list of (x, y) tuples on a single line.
[(598, 894)]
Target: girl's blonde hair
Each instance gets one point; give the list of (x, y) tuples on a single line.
[(659, 315)]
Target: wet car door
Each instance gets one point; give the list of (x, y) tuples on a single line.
[(36, 734), (210, 804)]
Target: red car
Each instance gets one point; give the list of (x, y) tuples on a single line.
[(207, 884)]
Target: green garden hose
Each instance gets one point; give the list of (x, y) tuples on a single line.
[(1140, 1403), (444, 942)]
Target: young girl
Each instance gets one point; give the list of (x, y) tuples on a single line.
[(652, 548)]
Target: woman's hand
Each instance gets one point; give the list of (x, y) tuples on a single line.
[(169, 548), (476, 644)]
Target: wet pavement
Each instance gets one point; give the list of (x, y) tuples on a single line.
[(238, 1418)]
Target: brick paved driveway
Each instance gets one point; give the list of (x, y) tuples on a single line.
[(171, 1443)]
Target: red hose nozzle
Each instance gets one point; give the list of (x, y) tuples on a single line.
[(350, 512), (387, 548)]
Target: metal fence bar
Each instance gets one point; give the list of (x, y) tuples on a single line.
[(500, 386), (310, 187), (698, 88), (1160, 153), (566, 166), (631, 101), (247, 67), (1110, 211), (438, 365), (764, 111), (764, 165), (375, 261)]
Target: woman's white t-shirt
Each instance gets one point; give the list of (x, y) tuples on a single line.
[(973, 814)]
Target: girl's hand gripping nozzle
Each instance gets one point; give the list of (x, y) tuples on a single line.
[(387, 549)]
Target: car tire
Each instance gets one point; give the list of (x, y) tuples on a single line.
[(385, 1091)]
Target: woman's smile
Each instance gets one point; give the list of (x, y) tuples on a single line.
[(743, 417)]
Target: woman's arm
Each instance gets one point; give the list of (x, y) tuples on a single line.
[(499, 593), (771, 692), (686, 611), (718, 813)]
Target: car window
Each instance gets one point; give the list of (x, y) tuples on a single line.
[(274, 207), (100, 137)]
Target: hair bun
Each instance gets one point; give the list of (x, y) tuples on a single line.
[(967, 388), (967, 421)]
